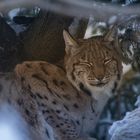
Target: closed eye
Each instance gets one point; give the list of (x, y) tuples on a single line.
[(80, 72), (106, 61), (86, 63)]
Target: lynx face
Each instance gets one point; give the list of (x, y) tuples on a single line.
[(91, 63)]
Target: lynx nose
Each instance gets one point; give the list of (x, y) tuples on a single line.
[(100, 77)]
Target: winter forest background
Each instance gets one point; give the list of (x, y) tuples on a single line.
[(20, 24)]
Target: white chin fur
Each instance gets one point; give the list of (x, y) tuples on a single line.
[(98, 91)]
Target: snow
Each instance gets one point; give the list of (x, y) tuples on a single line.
[(12, 126), (126, 68), (13, 13), (138, 102), (129, 127)]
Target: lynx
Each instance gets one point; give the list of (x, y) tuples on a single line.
[(64, 104)]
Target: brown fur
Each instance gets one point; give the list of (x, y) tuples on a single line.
[(92, 63), (64, 105)]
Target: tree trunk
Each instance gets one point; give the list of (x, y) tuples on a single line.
[(8, 46), (44, 39)]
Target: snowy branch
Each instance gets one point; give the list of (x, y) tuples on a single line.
[(73, 7), (128, 128)]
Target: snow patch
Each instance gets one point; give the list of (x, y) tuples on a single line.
[(12, 126), (128, 128)]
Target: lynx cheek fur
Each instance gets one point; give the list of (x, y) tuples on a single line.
[(92, 65)]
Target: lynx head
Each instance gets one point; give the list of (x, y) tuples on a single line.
[(91, 64)]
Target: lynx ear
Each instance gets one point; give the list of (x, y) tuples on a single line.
[(110, 36), (70, 42)]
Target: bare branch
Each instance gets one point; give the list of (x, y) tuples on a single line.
[(74, 7)]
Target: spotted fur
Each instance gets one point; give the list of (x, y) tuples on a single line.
[(64, 105)]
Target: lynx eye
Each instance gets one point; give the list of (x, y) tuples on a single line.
[(86, 64), (80, 72), (106, 61)]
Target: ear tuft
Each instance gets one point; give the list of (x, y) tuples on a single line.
[(69, 41)]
